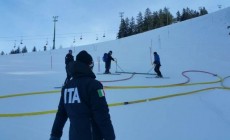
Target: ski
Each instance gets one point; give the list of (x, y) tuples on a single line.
[(158, 77), (58, 87), (137, 73), (109, 74)]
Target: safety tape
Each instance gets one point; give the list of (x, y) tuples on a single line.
[(115, 104), (199, 71), (222, 83), (28, 114), (163, 86), (30, 93), (171, 85), (114, 87), (110, 87)]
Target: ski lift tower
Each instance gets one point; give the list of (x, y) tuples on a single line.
[(55, 20), (121, 15)]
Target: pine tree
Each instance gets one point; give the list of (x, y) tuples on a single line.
[(2, 53), (34, 49), (12, 52), (185, 14), (156, 20), (140, 23), (122, 29), (203, 11), (162, 18), (148, 20), (127, 28), (132, 26), (178, 16), (168, 17), (24, 49), (18, 50), (188, 14)]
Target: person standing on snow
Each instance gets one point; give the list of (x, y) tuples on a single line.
[(83, 102), (108, 62), (68, 59), (157, 64)]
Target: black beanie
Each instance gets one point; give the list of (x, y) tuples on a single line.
[(84, 57)]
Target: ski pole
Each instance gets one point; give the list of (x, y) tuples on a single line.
[(150, 69), (116, 63)]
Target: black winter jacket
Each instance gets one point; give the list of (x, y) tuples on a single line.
[(68, 58), (87, 111), (108, 62)]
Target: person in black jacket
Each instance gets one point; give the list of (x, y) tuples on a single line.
[(108, 62), (157, 64), (68, 60), (83, 102)]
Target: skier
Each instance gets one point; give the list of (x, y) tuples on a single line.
[(157, 65), (83, 102), (68, 59), (108, 62)]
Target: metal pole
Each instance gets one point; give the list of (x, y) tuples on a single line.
[(55, 20), (51, 60)]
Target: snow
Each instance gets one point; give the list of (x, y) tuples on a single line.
[(200, 44)]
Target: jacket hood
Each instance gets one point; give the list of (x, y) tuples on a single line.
[(79, 69)]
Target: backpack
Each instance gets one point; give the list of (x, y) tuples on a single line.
[(105, 57)]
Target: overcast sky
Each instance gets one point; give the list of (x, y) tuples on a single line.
[(31, 21)]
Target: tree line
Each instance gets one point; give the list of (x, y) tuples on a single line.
[(23, 50), (152, 20)]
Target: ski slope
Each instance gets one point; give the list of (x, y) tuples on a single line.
[(191, 104)]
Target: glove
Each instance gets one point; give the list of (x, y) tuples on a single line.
[(54, 138)]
